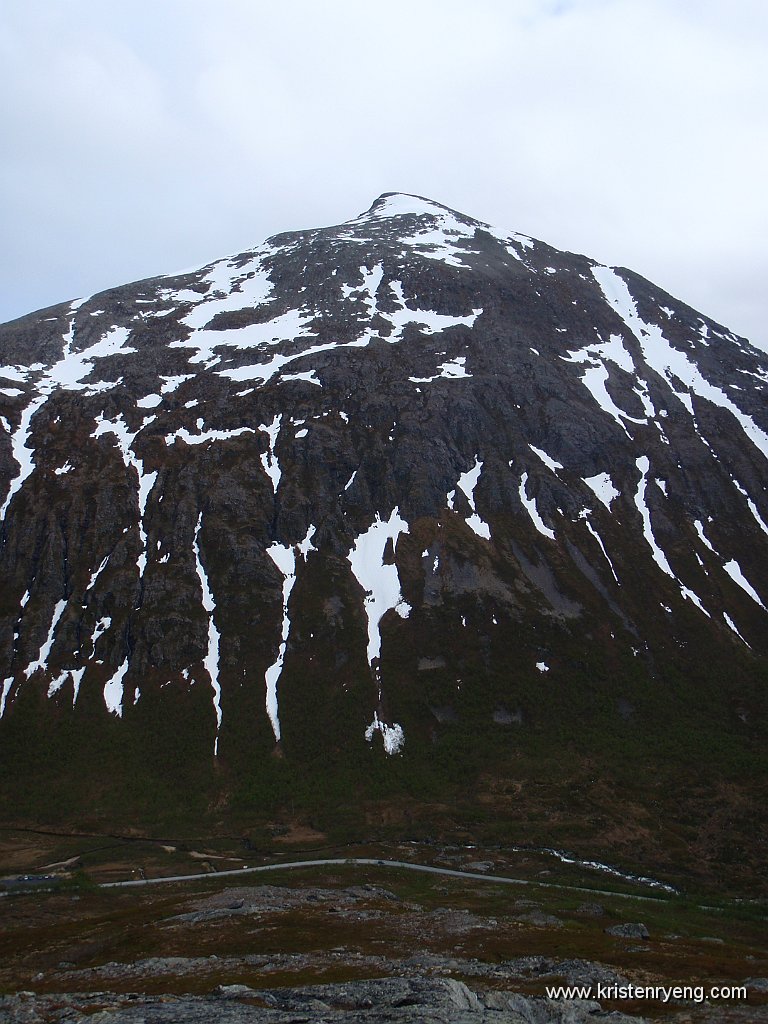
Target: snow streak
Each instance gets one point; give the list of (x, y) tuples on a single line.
[(269, 458), (146, 481), (533, 512), (466, 484), (598, 538), (7, 684), (673, 365), (66, 374), (658, 555), (284, 557), (45, 650), (114, 691), (211, 661), (381, 584)]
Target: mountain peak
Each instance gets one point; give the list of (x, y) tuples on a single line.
[(407, 487), (395, 204)]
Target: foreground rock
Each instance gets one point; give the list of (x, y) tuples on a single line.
[(385, 1000), (628, 931), (380, 1001)]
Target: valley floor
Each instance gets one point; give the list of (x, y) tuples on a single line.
[(364, 941)]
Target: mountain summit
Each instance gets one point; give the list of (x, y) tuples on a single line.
[(408, 523)]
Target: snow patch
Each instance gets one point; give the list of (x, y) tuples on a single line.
[(146, 481), (95, 575), (284, 557), (172, 383), (436, 237), (467, 483), (602, 487), (268, 458), (731, 625), (211, 660), (452, 369), (149, 402), (734, 571), (680, 372), (7, 684), (380, 582), (113, 691), (533, 512), (702, 535), (548, 461), (752, 507), (598, 538), (308, 375), (56, 684), (205, 436), (659, 557), (101, 627), (596, 357), (392, 735), (45, 649)]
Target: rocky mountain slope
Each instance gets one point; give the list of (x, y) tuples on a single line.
[(402, 523)]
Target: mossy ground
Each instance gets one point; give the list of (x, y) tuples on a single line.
[(50, 940)]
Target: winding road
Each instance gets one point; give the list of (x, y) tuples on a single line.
[(474, 876)]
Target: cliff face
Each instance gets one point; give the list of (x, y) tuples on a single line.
[(407, 509)]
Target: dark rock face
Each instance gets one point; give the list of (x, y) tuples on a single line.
[(406, 490)]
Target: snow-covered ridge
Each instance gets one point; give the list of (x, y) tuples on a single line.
[(682, 374), (442, 228)]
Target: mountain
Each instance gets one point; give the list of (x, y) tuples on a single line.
[(403, 526)]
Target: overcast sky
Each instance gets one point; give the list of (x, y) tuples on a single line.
[(143, 137)]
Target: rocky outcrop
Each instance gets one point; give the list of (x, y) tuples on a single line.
[(382, 1001), (363, 1002), (628, 931)]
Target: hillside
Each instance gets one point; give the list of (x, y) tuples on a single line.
[(403, 527)]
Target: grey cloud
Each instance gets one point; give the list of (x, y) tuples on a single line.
[(145, 138)]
